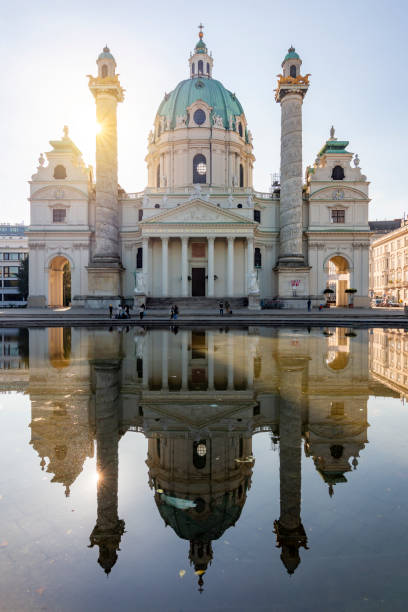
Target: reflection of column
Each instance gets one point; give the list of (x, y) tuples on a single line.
[(109, 528), (165, 360), (289, 529), (184, 359), (210, 359), (250, 260), (146, 361), (250, 362), (145, 247), (165, 265), (210, 266), (184, 266), (230, 267), (230, 384)]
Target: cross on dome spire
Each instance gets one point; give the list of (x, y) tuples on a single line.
[(201, 33)]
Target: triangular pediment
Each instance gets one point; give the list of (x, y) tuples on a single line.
[(197, 211)]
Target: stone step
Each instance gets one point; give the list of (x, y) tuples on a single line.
[(193, 303)]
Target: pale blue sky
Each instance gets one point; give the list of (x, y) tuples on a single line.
[(355, 50)]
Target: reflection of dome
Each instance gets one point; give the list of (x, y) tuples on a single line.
[(189, 525), (212, 92)]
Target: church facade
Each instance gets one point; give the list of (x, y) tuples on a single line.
[(199, 229)]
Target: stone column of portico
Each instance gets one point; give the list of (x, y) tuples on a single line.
[(210, 267), (230, 266), (184, 266), (145, 247), (165, 266), (250, 256)]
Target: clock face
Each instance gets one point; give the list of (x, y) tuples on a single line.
[(199, 116)]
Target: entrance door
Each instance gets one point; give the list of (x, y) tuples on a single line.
[(198, 281)]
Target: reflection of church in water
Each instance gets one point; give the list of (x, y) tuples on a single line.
[(199, 397)]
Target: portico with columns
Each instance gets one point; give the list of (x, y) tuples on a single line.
[(197, 250)]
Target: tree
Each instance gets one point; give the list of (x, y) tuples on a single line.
[(22, 277)]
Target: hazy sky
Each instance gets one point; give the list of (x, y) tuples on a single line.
[(355, 50)]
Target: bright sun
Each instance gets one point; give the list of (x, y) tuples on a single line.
[(98, 128)]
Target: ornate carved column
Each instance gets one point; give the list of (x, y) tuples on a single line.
[(184, 266), (165, 265), (230, 266), (210, 266)]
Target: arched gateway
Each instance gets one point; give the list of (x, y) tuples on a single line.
[(59, 282)]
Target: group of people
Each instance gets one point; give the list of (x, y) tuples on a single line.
[(226, 305), (121, 312), (174, 312)]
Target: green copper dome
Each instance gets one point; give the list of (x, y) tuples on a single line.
[(200, 47), (212, 92), (291, 54), (106, 54)]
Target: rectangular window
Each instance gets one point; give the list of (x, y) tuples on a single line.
[(257, 216), (338, 216), (58, 215), (13, 256), (10, 271), (6, 256), (140, 214), (139, 258)]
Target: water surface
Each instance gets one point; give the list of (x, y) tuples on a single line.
[(246, 469)]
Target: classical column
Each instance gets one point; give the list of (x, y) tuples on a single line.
[(210, 267), (165, 266), (184, 266), (250, 255), (230, 267), (145, 247), (290, 93), (107, 93)]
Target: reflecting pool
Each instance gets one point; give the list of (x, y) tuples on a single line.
[(203, 469)]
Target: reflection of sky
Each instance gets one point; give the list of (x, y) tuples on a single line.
[(358, 539)]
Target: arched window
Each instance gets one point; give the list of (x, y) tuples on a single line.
[(240, 132), (257, 258), (239, 205), (200, 67), (139, 258), (336, 451), (158, 176), (199, 116), (257, 215), (293, 71), (193, 68), (199, 169), (241, 175), (104, 71), (199, 454), (208, 68), (60, 172), (338, 173)]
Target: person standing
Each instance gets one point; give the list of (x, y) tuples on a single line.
[(110, 311), (221, 307), (176, 311), (141, 311), (309, 304), (171, 313)]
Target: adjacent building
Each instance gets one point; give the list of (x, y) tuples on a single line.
[(199, 229), (13, 251), (389, 265)]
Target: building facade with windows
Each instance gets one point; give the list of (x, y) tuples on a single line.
[(389, 265), (199, 229), (13, 251)]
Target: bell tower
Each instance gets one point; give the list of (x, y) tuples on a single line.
[(104, 272)]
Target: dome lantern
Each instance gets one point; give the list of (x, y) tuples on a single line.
[(106, 63), (200, 61)]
